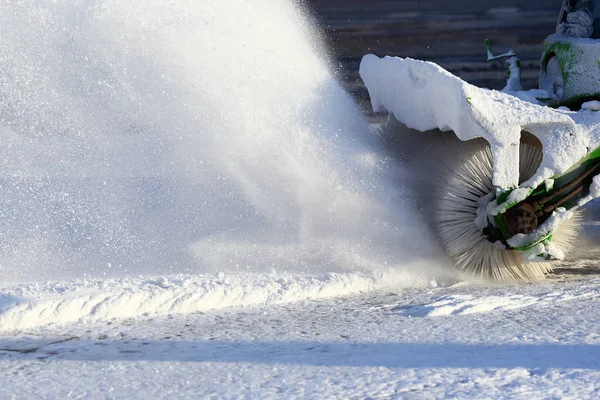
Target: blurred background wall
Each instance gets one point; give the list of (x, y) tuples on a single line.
[(450, 33)]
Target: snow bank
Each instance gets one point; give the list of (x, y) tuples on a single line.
[(31, 305)]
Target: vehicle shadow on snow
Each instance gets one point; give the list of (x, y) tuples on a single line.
[(330, 354)]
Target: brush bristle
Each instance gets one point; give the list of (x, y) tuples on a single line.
[(466, 182)]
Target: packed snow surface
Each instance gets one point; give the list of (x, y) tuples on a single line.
[(529, 341)]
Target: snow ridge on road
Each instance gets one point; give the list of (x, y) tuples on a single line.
[(31, 305)]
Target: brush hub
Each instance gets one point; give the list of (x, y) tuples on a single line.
[(521, 219)]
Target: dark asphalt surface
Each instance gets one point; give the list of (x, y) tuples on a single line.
[(450, 33)]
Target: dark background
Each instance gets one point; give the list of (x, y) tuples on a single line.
[(450, 33)]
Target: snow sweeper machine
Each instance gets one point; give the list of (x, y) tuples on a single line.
[(507, 207)]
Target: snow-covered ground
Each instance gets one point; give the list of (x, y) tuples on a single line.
[(459, 340), (463, 341), (192, 206)]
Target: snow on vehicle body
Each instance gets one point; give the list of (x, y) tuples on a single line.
[(570, 64), (569, 70)]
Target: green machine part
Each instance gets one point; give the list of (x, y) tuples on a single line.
[(526, 215)]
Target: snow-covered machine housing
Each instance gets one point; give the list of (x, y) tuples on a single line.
[(507, 209), (570, 65)]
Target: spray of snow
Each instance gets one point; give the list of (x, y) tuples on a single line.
[(152, 138)]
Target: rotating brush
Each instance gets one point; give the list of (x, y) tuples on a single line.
[(461, 197)]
